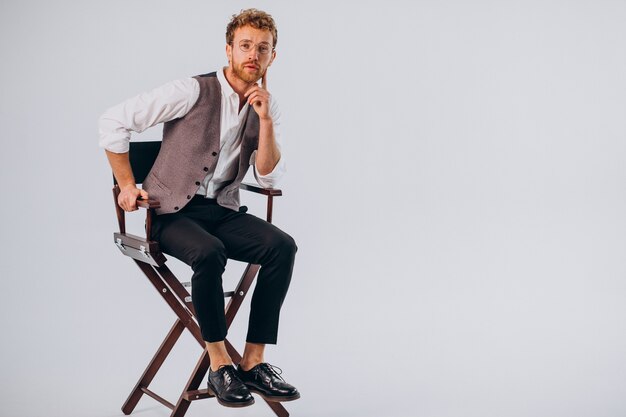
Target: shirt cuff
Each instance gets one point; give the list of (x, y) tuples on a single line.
[(271, 179), (116, 143)]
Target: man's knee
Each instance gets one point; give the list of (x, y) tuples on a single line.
[(290, 245), (282, 245)]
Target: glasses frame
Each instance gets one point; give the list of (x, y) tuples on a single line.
[(256, 47)]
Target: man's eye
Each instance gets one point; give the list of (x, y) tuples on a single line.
[(245, 45), (264, 49)]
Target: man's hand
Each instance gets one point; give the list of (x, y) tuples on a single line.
[(128, 197), (259, 98)]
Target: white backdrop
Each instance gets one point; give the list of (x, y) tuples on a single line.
[(455, 186)]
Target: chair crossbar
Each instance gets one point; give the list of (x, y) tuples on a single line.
[(187, 284), (158, 398), (198, 394), (154, 365)]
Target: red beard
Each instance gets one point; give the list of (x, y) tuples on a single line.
[(246, 75)]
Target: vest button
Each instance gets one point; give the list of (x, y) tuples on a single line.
[(197, 182), (188, 197), (176, 208), (206, 169), (214, 153)]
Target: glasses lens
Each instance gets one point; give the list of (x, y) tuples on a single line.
[(245, 46), (263, 48)]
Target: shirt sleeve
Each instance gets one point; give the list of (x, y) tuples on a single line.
[(271, 179), (167, 102)]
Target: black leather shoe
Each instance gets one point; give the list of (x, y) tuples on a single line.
[(265, 381), (226, 385)]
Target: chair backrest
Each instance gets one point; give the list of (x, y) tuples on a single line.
[(142, 156)]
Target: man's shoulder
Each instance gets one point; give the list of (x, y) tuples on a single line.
[(208, 80), (208, 74)]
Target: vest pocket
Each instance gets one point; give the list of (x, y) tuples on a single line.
[(154, 180)]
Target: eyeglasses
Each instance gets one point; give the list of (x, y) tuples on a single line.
[(262, 48)]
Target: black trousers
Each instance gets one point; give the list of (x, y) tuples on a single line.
[(204, 235)]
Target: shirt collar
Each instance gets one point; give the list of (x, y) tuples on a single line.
[(227, 90)]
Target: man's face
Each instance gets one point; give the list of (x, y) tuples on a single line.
[(251, 65)]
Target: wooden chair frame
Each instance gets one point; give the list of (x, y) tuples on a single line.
[(149, 258)]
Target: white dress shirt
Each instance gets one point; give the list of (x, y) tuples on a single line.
[(174, 100)]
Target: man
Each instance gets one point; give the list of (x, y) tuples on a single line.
[(215, 126)]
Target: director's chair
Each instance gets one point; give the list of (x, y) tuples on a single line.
[(146, 254)]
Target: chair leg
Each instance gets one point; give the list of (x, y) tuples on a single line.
[(174, 295), (277, 408), (179, 308), (178, 288), (192, 384), (153, 367)]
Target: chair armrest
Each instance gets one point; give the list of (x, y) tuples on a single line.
[(139, 248), (260, 190), (148, 204)]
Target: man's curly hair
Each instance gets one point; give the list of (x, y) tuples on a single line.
[(258, 19)]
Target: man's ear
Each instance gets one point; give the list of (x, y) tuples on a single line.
[(272, 59), (229, 52)]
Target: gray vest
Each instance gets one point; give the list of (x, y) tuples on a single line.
[(190, 148)]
